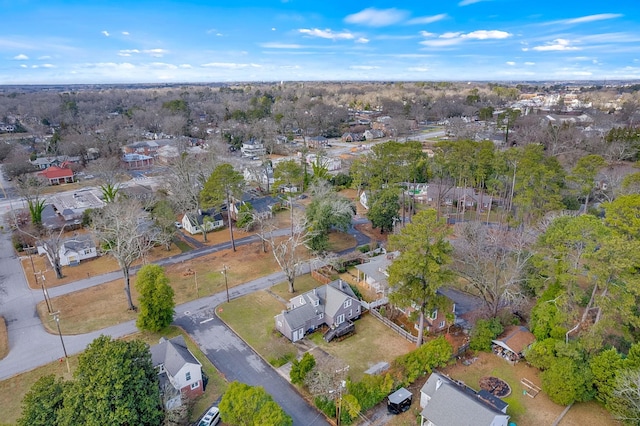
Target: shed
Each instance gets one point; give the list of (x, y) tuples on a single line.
[(399, 401), (512, 342)]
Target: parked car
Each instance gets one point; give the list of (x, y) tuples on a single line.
[(178, 225), (211, 418)]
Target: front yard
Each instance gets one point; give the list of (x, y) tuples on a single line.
[(12, 390)]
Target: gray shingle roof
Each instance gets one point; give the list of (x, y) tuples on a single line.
[(454, 405), (173, 354)]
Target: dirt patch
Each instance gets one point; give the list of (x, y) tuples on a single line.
[(4, 339), (495, 386), (374, 234)]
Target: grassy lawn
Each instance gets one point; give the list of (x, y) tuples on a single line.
[(13, 389), (105, 305), (92, 267), (527, 411), (4, 339), (372, 342), (339, 241), (251, 317)]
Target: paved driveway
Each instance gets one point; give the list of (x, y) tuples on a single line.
[(237, 361)]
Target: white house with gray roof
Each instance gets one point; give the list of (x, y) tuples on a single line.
[(180, 373), (74, 250), (332, 304), (445, 402)]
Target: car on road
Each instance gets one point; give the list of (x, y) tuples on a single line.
[(211, 417)]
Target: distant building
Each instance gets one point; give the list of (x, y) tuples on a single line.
[(252, 148)]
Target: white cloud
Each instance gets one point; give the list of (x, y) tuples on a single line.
[(105, 33), (273, 28), (450, 35), (128, 52), (558, 44), (163, 65), (185, 66), (373, 17), (363, 67), (589, 18), (42, 58), (48, 66), (529, 63), (110, 65), (487, 34), (21, 57), (510, 63), (23, 66), (125, 33), (427, 34), (229, 65), (362, 40), (418, 69), (428, 19), (280, 46), (328, 34), (156, 53)]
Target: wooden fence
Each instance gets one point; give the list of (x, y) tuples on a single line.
[(402, 332)]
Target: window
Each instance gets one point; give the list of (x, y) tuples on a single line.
[(188, 376), (434, 314), (301, 300), (195, 385), (347, 303), (340, 319), (442, 324), (321, 315)]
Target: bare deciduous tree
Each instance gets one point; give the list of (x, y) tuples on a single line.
[(121, 229), (287, 251), (493, 263)]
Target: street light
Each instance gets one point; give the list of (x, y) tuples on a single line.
[(56, 317), (225, 268)]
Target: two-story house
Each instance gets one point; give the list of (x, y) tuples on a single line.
[(333, 304), (180, 373)]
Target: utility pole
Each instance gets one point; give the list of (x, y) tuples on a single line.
[(225, 268), (56, 317), (35, 276)]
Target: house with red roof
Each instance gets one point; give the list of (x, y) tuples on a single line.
[(57, 175)]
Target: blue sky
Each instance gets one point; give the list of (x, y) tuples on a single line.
[(100, 41)]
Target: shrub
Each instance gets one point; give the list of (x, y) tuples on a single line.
[(433, 354), (371, 390), (483, 333), (300, 369), (326, 405)]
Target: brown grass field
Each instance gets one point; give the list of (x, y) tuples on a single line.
[(4, 339), (105, 305)]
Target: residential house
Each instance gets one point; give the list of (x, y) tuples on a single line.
[(252, 148), (446, 402), (317, 142), (374, 273), (262, 175), (331, 163), (207, 220), (137, 161), (57, 175), (333, 305), (352, 137), (180, 373), (511, 344), (148, 148), (373, 134), (46, 162), (74, 250), (263, 206)]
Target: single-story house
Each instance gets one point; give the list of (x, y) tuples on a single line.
[(137, 161), (46, 162), (446, 402), (73, 250), (511, 344), (180, 373), (374, 273), (194, 223), (373, 134), (263, 207), (57, 175), (332, 304)]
